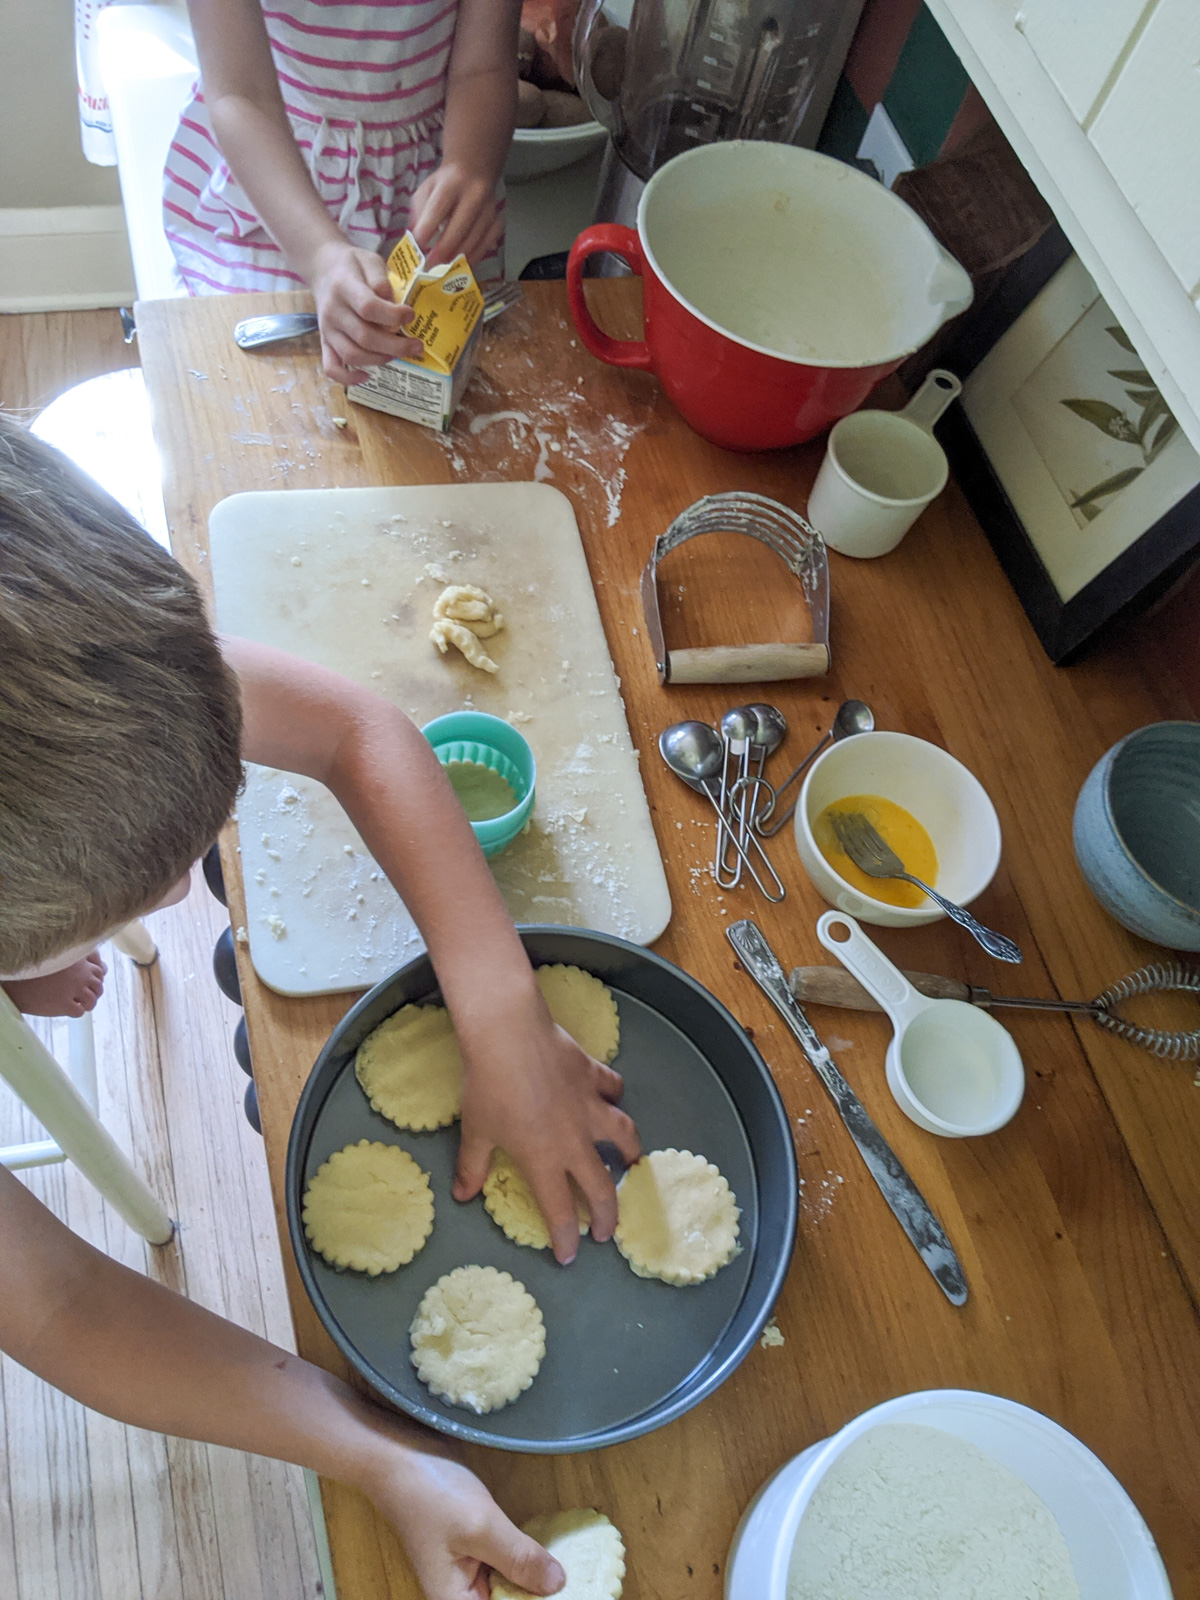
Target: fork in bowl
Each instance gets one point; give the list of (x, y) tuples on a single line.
[(871, 853)]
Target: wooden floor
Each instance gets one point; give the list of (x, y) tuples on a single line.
[(89, 1509)]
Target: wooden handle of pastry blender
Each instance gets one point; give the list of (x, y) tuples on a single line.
[(619, 241), (747, 663), (833, 986)]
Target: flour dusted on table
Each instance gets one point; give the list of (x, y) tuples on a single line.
[(912, 1513)]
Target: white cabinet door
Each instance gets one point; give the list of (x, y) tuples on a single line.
[(1148, 134), (1079, 43)]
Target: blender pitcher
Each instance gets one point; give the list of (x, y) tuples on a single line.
[(664, 76)]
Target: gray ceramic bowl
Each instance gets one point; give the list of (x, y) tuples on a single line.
[(1137, 833)]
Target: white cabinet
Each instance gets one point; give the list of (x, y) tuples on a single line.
[(1080, 43), (1147, 130), (1101, 101)]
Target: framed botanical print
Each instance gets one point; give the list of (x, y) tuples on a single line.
[(1080, 476)]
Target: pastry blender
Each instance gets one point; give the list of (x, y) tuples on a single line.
[(802, 551)]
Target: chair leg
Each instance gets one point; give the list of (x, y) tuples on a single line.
[(63, 1111), (134, 941), (81, 1059)]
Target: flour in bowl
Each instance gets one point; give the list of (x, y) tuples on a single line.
[(909, 1511)]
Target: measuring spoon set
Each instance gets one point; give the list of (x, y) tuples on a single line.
[(727, 766)]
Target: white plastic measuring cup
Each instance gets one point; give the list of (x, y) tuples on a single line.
[(881, 469), (950, 1066)]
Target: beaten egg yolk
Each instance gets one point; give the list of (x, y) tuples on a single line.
[(899, 829)]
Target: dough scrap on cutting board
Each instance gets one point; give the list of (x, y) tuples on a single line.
[(410, 1068), (677, 1218), (369, 1207), (478, 1338), (585, 1007), (463, 614), (510, 1204), (588, 1547)]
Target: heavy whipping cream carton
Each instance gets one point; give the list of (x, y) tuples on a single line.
[(448, 322)]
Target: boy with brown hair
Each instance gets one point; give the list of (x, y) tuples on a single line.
[(123, 725)]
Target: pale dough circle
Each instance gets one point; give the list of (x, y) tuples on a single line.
[(510, 1203), (410, 1068), (368, 1207), (478, 1338), (587, 1546), (677, 1218), (583, 1006)]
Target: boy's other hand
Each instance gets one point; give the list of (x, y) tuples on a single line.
[(454, 212), (361, 324), (69, 993), (455, 1533), (529, 1088)]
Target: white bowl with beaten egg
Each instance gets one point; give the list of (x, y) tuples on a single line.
[(1112, 1552), (947, 800)]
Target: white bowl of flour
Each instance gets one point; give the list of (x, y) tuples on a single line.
[(900, 1516)]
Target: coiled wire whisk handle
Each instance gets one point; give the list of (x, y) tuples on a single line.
[(1160, 977)]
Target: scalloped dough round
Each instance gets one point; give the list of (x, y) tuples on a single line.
[(588, 1547), (369, 1207), (677, 1218), (478, 1338), (585, 1007), (410, 1068), (511, 1205)]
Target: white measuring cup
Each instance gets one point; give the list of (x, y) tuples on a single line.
[(881, 469), (950, 1066)]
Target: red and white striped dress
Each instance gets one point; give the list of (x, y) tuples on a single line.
[(364, 85)]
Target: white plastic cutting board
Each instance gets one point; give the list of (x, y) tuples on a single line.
[(347, 578)]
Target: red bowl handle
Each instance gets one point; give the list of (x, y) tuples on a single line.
[(610, 236)]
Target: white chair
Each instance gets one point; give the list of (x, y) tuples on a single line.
[(66, 1104)]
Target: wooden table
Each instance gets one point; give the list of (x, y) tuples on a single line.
[(1078, 1225)]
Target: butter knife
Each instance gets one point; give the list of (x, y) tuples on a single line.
[(277, 327), (909, 1206)]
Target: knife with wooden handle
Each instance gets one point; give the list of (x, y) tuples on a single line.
[(834, 986), (908, 1204)]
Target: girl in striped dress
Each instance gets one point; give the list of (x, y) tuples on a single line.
[(319, 131)]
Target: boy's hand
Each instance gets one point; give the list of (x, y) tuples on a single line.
[(361, 325), (455, 212), (455, 1533), (528, 1087)]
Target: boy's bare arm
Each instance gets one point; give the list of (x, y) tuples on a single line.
[(135, 1351), (527, 1085)]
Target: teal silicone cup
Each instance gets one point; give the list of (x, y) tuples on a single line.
[(475, 736)]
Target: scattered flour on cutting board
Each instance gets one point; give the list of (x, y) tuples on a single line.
[(913, 1513), (346, 578)]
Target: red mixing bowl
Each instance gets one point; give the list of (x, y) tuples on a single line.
[(780, 286)]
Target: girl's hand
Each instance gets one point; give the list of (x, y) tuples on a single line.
[(528, 1087), (454, 1532), (454, 212), (360, 322)]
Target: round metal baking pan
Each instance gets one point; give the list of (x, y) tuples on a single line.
[(624, 1354)]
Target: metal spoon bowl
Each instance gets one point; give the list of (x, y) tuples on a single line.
[(772, 729), (693, 752)]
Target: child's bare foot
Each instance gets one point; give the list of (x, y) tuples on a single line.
[(68, 993)]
